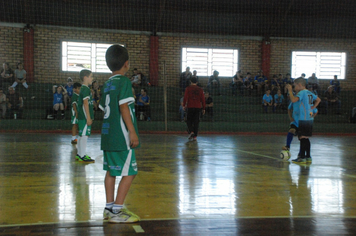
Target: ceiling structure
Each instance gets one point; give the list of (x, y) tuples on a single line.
[(264, 18)]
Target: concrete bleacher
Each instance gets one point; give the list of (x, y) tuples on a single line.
[(229, 111)]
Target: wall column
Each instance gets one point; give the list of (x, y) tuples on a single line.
[(154, 60), (28, 53), (266, 57)]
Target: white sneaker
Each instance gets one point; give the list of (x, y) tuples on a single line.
[(124, 216), (191, 137), (107, 214)]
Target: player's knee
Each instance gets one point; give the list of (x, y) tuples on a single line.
[(292, 131)]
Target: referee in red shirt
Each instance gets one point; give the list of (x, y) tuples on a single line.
[(193, 102)]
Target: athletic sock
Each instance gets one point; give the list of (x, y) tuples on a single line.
[(116, 208), (74, 137), (82, 145), (14, 84), (25, 85), (303, 149), (289, 139), (307, 147), (109, 205)]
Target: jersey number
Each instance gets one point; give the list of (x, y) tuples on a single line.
[(107, 107)]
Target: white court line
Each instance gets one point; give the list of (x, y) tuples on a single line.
[(138, 229)]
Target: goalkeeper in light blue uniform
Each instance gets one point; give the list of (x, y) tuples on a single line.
[(303, 104)]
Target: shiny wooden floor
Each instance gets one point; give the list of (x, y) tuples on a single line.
[(219, 185)]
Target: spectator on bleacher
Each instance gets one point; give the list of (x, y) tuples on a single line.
[(68, 96), (278, 101), (306, 80), (143, 106), (313, 81), (181, 109), (260, 81), (14, 103), (197, 77), (275, 86), (214, 83), (237, 83), (2, 103), (96, 93), (248, 82), (287, 80), (267, 100), (184, 80), (310, 88), (7, 74), (332, 99), (280, 81), (209, 104), (336, 84), (58, 97), (135, 78), (20, 76)]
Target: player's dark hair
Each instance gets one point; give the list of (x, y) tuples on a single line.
[(145, 90), (300, 81), (84, 73), (116, 56), (77, 85)]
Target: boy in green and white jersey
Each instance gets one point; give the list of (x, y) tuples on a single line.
[(74, 118), (85, 115), (118, 135)]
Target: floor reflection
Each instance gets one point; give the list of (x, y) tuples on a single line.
[(217, 177)]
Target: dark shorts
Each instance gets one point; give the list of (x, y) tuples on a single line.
[(305, 128)]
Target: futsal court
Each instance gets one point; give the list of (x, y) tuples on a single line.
[(219, 185)]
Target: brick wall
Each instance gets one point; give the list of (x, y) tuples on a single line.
[(48, 52), (281, 56), (170, 54), (11, 45)]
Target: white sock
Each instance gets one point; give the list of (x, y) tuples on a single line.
[(14, 84), (109, 205), (82, 145), (74, 137), (25, 85), (116, 208)]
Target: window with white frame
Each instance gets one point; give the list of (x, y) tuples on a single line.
[(324, 64), (206, 60), (81, 55)]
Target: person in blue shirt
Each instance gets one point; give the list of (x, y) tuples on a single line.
[(293, 126), (58, 97), (287, 80), (278, 100), (143, 105), (267, 100), (336, 84), (303, 105), (248, 82), (68, 95), (260, 81)]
